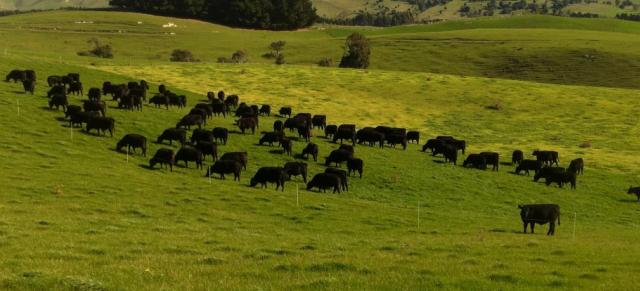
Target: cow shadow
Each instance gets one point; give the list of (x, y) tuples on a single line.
[(629, 201), (506, 164), (439, 161), (300, 157), (95, 133), (277, 152), (19, 92)]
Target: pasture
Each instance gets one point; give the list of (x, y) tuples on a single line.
[(77, 215)]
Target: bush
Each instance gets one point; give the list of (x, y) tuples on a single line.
[(280, 59), (239, 57), (269, 55), (357, 52), (325, 62), (99, 50), (179, 55)]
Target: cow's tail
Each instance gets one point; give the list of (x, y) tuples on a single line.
[(558, 218)]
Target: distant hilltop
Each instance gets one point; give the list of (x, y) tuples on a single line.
[(51, 4)]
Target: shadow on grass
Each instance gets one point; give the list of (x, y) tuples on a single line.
[(629, 201)]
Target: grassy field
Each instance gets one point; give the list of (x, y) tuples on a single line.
[(77, 215)]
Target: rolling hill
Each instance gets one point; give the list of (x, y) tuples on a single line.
[(78, 215)]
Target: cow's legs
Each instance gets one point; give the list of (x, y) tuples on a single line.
[(552, 228), (533, 225), (525, 227)]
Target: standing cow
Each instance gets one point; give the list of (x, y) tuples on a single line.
[(540, 214)]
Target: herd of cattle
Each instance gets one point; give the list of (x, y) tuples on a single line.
[(203, 142)]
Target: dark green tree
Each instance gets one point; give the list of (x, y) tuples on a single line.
[(357, 52)]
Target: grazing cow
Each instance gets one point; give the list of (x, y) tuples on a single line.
[(278, 125), (271, 137), (547, 157), (266, 175), (432, 145), (287, 146), (247, 123), (201, 112), (294, 123), (319, 121), (66, 80), (255, 109), (232, 101), (223, 167), (94, 94), (119, 91), (99, 106), (346, 132), (172, 134), (342, 174), (31, 75), (29, 86), (304, 132), (189, 154), (138, 92), (80, 117), (126, 102), (338, 156), (240, 157), (460, 145), (58, 101), (179, 101), (206, 107), (137, 103), (208, 148), (201, 135), (493, 159), (516, 157), (547, 172), (324, 181), (445, 137), (75, 89), (576, 166), (285, 111), (244, 110), (371, 136), (159, 100), (562, 178), (57, 90), (355, 164), (16, 76), (107, 88), (221, 134), (54, 80), (101, 124), (296, 169), (133, 141), (219, 109), (310, 149), (265, 109), (540, 214), (394, 138), (348, 148), (450, 154), (634, 190), (529, 165), (413, 136), (75, 77), (164, 157), (189, 121), (71, 110), (330, 131), (477, 161)]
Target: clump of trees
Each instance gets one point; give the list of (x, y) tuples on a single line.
[(276, 52), (625, 16), (180, 55), (260, 14), (238, 57), (357, 52), (99, 50)]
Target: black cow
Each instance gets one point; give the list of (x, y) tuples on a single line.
[(338, 156), (287, 146), (516, 157), (208, 148), (221, 134), (189, 154), (57, 90), (477, 161), (80, 117), (371, 136), (278, 125), (346, 132), (450, 154), (310, 149), (330, 131), (342, 174), (94, 94), (221, 95), (75, 88), (172, 134), (493, 159), (266, 175), (31, 75), (101, 123), (54, 80), (162, 89), (133, 141), (119, 91), (244, 110), (75, 77), (71, 110), (529, 165), (271, 137), (189, 121), (547, 157), (432, 145), (294, 123), (211, 96), (296, 169), (348, 148), (355, 164), (16, 76), (576, 166), (179, 101), (395, 138), (206, 108), (164, 157), (562, 178), (159, 100), (247, 123), (126, 102), (413, 136), (304, 132), (58, 101), (634, 190), (223, 167), (540, 214), (99, 106), (29, 86), (219, 109), (547, 172), (285, 111), (240, 157), (265, 109), (319, 121), (201, 135), (324, 181), (232, 101), (107, 88)]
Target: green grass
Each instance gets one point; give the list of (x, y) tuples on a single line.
[(76, 215)]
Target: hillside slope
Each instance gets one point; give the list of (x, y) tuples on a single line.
[(50, 4)]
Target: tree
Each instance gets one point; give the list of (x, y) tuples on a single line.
[(277, 46), (179, 55), (357, 52), (99, 50)]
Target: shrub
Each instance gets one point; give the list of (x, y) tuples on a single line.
[(239, 57), (325, 62), (280, 59), (99, 50), (357, 52), (179, 55)]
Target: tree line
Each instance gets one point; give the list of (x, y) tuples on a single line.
[(260, 14)]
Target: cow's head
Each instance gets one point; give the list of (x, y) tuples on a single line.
[(630, 191), (524, 212)]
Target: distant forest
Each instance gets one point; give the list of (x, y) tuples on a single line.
[(259, 14)]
